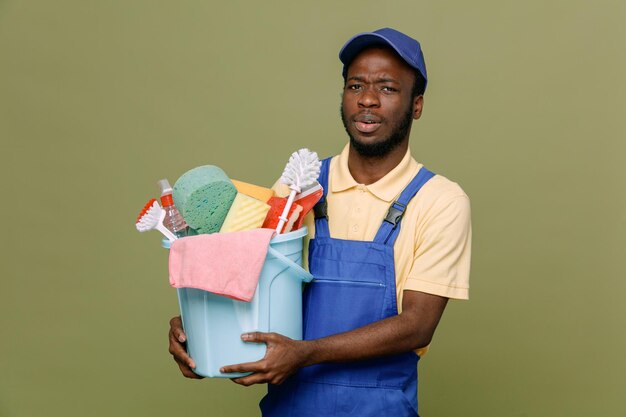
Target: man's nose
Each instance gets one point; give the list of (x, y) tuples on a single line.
[(369, 98)]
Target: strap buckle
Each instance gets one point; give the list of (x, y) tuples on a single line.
[(394, 215), (320, 210)]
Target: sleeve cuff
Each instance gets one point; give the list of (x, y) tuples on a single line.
[(434, 288)]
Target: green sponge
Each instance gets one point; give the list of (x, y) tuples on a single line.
[(203, 196)]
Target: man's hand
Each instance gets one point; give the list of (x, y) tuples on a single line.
[(283, 357), (177, 348)]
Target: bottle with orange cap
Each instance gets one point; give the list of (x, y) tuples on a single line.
[(173, 221)]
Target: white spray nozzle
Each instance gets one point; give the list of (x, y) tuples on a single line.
[(165, 186)]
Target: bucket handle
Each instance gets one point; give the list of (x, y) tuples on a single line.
[(302, 273)]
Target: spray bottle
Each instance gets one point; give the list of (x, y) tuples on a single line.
[(173, 221)]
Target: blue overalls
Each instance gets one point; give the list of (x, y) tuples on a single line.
[(354, 285)]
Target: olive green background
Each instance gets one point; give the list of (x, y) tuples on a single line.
[(99, 100)]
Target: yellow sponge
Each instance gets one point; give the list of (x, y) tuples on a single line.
[(251, 190), (245, 213), (281, 189)]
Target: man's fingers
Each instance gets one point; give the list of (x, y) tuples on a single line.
[(250, 380), (254, 337), (179, 334), (178, 351), (177, 340), (176, 329), (259, 378), (258, 337), (187, 372), (181, 356), (186, 369), (259, 366)]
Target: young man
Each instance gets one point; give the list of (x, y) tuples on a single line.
[(391, 245)]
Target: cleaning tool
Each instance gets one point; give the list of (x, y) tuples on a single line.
[(204, 195), (245, 213), (277, 206), (300, 173), (251, 190), (151, 217), (173, 221), (294, 215), (307, 199)]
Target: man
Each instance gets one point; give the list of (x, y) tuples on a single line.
[(391, 245)]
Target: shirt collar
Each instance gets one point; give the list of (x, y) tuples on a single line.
[(387, 188)]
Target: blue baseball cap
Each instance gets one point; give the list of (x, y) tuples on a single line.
[(408, 48)]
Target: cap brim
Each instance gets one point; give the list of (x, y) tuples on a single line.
[(361, 41)]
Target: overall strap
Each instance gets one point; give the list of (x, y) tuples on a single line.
[(320, 209), (390, 228)]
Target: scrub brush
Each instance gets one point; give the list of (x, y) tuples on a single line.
[(151, 217), (301, 172)]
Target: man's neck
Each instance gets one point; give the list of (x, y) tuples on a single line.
[(369, 169)]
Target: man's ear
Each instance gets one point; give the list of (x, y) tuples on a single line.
[(418, 105)]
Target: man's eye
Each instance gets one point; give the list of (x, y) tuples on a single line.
[(354, 87), (389, 89)]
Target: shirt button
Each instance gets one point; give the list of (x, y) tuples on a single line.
[(355, 228), (358, 209)]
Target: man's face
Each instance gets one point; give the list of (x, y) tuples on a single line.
[(377, 106)]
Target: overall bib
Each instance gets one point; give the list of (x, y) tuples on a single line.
[(354, 285)]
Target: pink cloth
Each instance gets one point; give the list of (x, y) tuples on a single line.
[(227, 264)]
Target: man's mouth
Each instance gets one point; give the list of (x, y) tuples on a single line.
[(367, 123)]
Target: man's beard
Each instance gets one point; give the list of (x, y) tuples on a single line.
[(399, 132)]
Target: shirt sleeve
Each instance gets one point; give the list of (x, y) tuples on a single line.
[(441, 262)]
